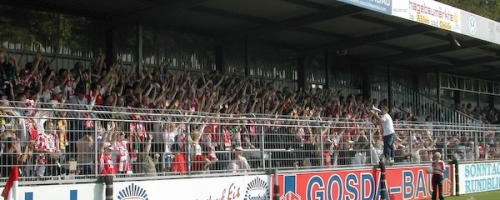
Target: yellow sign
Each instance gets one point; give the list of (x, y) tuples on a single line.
[(423, 19), (445, 25)]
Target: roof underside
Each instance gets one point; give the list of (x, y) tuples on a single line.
[(307, 25)]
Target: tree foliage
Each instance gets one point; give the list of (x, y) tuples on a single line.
[(33, 27), (486, 8)]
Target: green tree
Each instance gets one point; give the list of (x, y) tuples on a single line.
[(486, 8), (33, 27)]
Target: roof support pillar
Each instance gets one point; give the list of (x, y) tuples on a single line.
[(416, 93), (247, 57), (328, 70), (438, 86), (139, 47), (110, 48), (301, 71), (390, 102), (478, 95), (219, 58), (491, 98), (365, 81)]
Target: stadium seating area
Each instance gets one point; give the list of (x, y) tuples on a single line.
[(59, 122)]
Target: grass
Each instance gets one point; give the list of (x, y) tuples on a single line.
[(477, 196)]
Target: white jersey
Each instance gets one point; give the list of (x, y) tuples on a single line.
[(387, 124)]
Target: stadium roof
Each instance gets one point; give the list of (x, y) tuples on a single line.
[(308, 25)]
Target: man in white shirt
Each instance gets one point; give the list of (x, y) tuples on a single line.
[(77, 130), (386, 120)]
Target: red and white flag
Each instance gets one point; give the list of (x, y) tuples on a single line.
[(10, 190)]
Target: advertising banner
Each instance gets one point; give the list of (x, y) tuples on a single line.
[(479, 177), (402, 183), (480, 27), (381, 6), (429, 12), (60, 192), (235, 188)]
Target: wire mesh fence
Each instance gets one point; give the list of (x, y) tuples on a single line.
[(51, 141)]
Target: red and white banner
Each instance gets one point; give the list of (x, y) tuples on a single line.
[(10, 190)]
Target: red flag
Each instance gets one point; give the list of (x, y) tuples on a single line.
[(10, 190)]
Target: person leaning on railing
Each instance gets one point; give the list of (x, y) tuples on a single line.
[(13, 155), (146, 159)]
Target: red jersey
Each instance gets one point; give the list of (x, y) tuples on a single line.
[(438, 164), (106, 165), (99, 100), (179, 163), (26, 82)]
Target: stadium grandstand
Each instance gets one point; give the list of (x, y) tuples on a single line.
[(175, 88)]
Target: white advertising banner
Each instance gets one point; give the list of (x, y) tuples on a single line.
[(480, 27), (60, 192), (479, 177), (429, 12), (235, 188)]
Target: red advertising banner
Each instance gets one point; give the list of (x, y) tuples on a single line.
[(402, 183)]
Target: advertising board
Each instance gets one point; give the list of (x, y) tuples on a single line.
[(429, 12), (382, 6), (480, 27), (235, 188), (479, 177), (60, 192), (403, 183)]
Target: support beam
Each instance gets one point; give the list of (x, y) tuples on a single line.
[(139, 49), (488, 74), (459, 64), (390, 101), (471, 62), (247, 57), (308, 4), (153, 12), (293, 22), (376, 38), (219, 59), (111, 55), (328, 70), (427, 52), (301, 69), (438, 86), (229, 14)]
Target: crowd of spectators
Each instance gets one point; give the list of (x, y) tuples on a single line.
[(487, 114), (161, 120)]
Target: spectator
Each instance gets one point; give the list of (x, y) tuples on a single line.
[(147, 161), (106, 165), (389, 132), (85, 154), (179, 164), (239, 163), (13, 155), (291, 126), (48, 150)]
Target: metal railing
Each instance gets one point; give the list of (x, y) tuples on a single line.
[(68, 143)]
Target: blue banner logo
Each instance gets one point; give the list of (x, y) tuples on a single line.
[(381, 6)]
